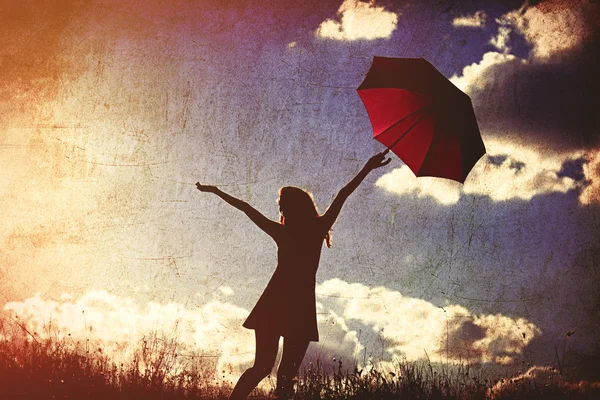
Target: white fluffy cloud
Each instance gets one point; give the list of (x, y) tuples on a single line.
[(409, 327), (359, 20), (476, 20), (406, 327), (501, 40), (507, 172), (117, 325), (551, 27), (226, 290), (212, 331), (478, 76), (591, 172), (402, 181)]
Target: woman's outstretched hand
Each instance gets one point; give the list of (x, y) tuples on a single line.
[(378, 160), (206, 188)]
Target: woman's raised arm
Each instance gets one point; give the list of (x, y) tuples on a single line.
[(270, 227), (377, 161)]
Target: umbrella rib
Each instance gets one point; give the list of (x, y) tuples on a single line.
[(425, 110)]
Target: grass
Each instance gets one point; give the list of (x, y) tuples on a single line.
[(52, 368), (407, 381), (55, 368)]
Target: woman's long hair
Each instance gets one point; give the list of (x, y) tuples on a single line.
[(297, 207)]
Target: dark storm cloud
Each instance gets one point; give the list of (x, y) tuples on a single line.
[(546, 97), (550, 104)]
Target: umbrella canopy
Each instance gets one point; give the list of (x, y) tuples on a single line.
[(422, 117)]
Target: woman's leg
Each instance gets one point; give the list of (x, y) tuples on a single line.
[(293, 353), (267, 345)]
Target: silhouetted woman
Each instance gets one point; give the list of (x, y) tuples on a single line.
[(287, 307)]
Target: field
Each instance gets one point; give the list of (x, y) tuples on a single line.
[(50, 368)]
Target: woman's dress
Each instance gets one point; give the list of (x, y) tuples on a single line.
[(287, 306)]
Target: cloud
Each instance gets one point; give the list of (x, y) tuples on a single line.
[(501, 40), (359, 20), (507, 172), (212, 331), (591, 171), (552, 27), (405, 327), (476, 20), (476, 77), (337, 339), (536, 375), (402, 181), (408, 327), (543, 100), (118, 325), (226, 290), (545, 382)]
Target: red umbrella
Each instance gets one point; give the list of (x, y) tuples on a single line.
[(422, 117)]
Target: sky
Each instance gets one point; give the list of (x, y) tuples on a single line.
[(110, 111)]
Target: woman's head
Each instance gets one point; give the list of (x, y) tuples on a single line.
[(296, 205), (297, 208)]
